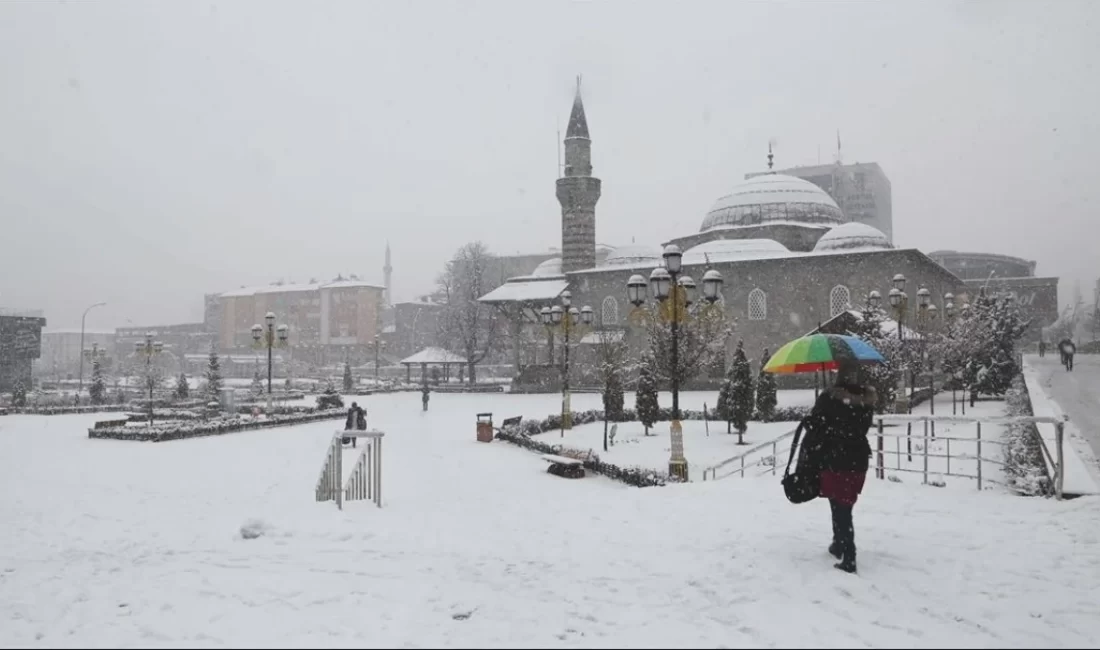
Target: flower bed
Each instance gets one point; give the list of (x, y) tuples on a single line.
[(1024, 466), (182, 430), (635, 476), (68, 410)]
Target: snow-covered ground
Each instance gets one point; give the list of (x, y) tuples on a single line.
[(108, 543)]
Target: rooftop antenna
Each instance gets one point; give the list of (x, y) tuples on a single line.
[(839, 160)]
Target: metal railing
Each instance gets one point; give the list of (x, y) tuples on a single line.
[(768, 463), (365, 481)]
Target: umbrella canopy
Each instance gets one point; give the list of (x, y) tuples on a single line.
[(821, 352)]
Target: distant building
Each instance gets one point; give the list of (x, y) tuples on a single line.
[(61, 351), (20, 345), (1037, 296), (179, 340), (861, 191)]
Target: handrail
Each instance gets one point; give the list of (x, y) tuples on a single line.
[(752, 450)]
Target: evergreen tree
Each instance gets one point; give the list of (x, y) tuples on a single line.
[(19, 394), (120, 395), (183, 390), (213, 375), (645, 400), (349, 381), (330, 399), (989, 333), (724, 408), (883, 376), (257, 387), (766, 390), (742, 395), (98, 389), (613, 398)]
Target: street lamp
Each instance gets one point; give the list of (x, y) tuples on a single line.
[(269, 337), (566, 318), (149, 348), (80, 389), (674, 295), (377, 344)]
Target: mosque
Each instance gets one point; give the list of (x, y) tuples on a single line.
[(790, 259)]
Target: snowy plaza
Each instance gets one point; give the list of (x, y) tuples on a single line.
[(125, 544)]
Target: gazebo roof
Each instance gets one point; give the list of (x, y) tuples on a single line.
[(437, 356)]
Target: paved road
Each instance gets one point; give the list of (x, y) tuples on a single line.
[(1077, 393)]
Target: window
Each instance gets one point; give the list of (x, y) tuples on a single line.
[(609, 311), (840, 299), (758, 305)]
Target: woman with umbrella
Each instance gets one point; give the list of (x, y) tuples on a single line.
[(835, 448)]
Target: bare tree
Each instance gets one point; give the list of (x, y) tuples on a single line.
[(466, 325), (702, 340)]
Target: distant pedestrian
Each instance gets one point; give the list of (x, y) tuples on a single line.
[(1042, 348), (1068, 349), (350, 423), (361, 418), (836, 444), (424, 391)]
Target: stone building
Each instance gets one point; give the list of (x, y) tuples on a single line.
[(20, 346), (789, 256)]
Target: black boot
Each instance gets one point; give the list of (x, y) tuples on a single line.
[(834, 550), (848, 564)]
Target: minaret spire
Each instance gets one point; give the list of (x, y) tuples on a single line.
[(387, 274), (578, 191), (770, 156)]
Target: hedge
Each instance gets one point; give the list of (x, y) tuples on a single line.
[(635, 476), (182, 431)]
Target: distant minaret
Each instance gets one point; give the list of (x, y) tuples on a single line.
[(578, 191), (770, 159), (387, 274)]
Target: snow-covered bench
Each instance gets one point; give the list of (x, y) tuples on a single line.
[(564, 467)]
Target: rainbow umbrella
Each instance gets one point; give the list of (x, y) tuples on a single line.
[(821, 352)]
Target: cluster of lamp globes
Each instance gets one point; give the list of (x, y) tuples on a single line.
[(258, 330), (148, 346), (662, 277), (898, 299)]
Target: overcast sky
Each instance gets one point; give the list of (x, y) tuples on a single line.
[(151, 152)]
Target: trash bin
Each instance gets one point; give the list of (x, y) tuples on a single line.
[(484, 427)]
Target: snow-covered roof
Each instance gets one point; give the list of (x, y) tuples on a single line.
[(76, 330), (351, 284), (526, 290), (548, 268), (729, 250), (888, 326), (853, 236), (434, 355), (610, 336), (762, 199), (293, 287), (631, 255)]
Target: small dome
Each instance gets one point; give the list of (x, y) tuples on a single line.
[(852, 236), (773, 197), (731, 250), (549, 268), (634, 255)]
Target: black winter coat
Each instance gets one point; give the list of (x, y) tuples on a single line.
[(836, 430)]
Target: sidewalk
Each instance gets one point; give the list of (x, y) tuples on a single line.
[(1081, 477)]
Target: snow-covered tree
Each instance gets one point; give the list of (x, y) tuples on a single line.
[(465, 324), (349, 381), (645, 399), (742, 396), (183, 390), (120, 395), (767, 394), (701, 339), (724, 408), (883, 376), (330, 399), (213, 375), (19, 394), (612, 354), (993, 326), (257, 386), (98, 388)]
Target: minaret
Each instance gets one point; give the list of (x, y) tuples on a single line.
[(387, 274), (578, 191)]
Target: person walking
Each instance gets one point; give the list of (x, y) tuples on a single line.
[(350, 423), (1068, 349), (360, 418), (424, 391), (1042, 348), (836, 445)]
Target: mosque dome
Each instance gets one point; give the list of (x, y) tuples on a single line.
[(852, 236), (770, 198), (732, 250), (548, 268), (634, 255)]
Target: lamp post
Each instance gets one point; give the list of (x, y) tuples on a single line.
[(378, 344), (149, 348), (948, 332), (674, 293), (270, 337), (899, 301), (80, 389), (566, 318)]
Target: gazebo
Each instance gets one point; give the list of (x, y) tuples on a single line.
[(432, 357)]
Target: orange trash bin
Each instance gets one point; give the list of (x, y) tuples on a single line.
[(484, 427)]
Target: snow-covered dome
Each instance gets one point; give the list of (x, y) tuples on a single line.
[(773, 197), (634, 255), (852, 236), (730, 250), (549, 268)]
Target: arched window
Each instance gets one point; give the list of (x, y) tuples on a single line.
[(758, 305), (840, 299), (609, 311)]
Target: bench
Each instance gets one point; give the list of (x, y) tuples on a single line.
[(564, 467), (511, 422)]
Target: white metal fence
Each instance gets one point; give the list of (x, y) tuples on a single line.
[(932, 454), (365, 481)]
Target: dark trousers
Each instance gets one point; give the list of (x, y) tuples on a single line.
[(844, 534), (1069, 362)]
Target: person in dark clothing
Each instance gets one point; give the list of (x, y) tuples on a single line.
[(836, 445), (1042, 348), (1068, 349), (350, 423), (424, 390), (360, 418)]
